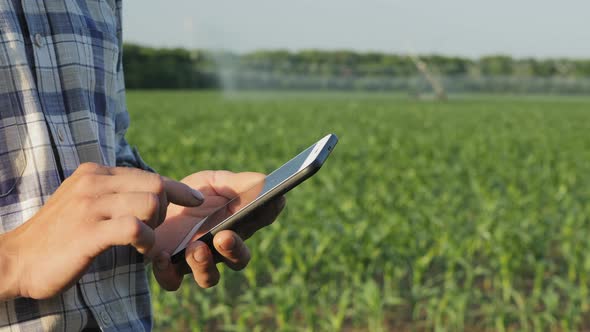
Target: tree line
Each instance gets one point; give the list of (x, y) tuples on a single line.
[(151, 68)]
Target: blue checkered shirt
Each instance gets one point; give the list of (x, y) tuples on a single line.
[(62, 103)]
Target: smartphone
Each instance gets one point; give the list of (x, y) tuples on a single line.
[(277, 183)]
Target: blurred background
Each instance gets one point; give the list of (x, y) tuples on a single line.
[(457, 198)]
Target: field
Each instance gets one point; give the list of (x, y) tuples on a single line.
[(471, 214)]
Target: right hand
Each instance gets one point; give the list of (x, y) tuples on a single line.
[(95, 208)]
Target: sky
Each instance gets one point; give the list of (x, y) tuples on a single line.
[(468, 28)]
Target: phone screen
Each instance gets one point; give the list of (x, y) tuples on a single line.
[(249, 196)]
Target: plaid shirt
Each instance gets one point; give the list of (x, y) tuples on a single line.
[(62, 103)]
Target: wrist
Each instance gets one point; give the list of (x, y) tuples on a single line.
[(9, 270)]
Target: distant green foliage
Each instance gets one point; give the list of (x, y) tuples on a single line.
[(150, 68), (471, 214), (347, 70)]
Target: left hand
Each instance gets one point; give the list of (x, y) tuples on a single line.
[(218, 187)]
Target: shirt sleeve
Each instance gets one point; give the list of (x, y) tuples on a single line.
[(126, 154)]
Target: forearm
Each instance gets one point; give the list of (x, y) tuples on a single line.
[(8, 268)]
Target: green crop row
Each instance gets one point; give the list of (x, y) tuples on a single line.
[(471, 214)]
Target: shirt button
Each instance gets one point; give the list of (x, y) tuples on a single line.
[(60, 135), (104, 317), (38, 40)]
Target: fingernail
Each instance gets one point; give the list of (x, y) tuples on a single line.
[(201, 254), (162, 262), (198, 195), (228, 244)]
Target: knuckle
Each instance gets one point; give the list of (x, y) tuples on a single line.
[(88, 167), (157, 183), (132, 228), (116, 169), (152, 204), (85, 203), (38, 294), (201, 266), (86, 181), (199, 257)]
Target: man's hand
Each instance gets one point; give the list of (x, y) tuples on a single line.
[(94, 209), (218, 187)]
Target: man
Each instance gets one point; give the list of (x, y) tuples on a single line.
[(73, 227)]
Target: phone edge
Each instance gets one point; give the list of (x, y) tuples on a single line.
[(282, 189)]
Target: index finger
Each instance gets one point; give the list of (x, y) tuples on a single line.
[(126, 179), (180, 193)]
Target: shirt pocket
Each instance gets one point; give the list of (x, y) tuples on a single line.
[(12, 155)]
